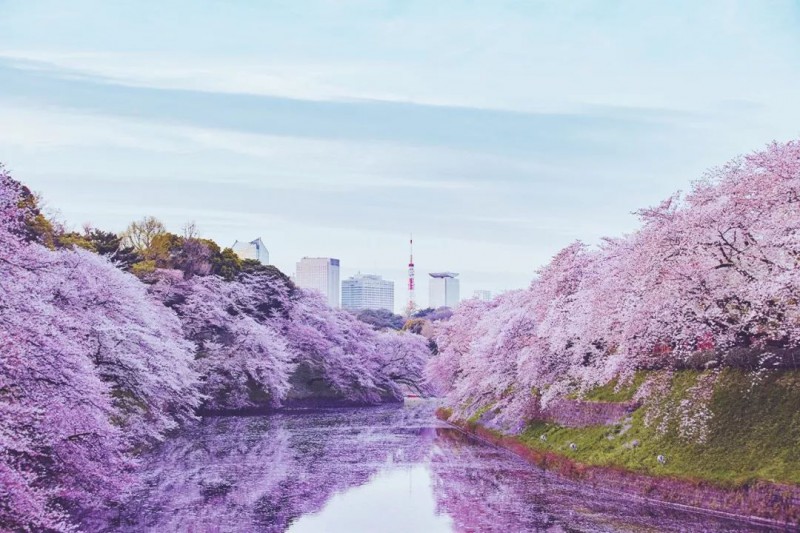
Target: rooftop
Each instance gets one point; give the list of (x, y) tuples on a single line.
[(443, 274)]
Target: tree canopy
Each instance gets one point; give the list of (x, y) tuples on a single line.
[(710, 279), (96, 365)]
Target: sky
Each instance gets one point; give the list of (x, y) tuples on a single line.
[(496, 132)]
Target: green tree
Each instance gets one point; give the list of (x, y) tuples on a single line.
[(225, 264), (110, 245), (38, 227), (140, 234)]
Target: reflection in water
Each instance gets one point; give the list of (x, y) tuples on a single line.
[(396, 499), (385, 469)]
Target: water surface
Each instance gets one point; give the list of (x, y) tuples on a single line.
[(385, 469)]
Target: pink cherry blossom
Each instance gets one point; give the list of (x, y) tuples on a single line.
[(710, 278)]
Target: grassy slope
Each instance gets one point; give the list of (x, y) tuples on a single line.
[(610, 393), (754, 433)]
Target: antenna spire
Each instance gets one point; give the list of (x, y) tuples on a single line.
[(412, 306)]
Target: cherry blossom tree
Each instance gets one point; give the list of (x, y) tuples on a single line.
[(243, 362), (91, 368), (97, 364), (711, 278), (260, 342), (342, 357)]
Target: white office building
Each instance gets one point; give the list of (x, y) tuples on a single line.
[(321, 274), (484, 295), (252, 250), (443, 290), (367, 291)]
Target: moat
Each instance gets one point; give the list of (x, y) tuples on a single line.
[(387, 469)]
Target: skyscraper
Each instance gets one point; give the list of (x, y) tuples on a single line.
[(321, 274), (367, 291), (443, 290), (252, 250)]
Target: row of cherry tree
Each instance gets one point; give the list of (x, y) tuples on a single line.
[(96, 365), (710, 279)]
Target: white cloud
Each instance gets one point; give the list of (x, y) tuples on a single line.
[(271, 161), (539, 57), (31, 128), (731, 65)]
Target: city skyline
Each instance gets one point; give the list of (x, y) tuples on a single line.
[(325, 130), (399, 298), (258, 250)]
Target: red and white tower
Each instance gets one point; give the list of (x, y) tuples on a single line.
[(412, 305)]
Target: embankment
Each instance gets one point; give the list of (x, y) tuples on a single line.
[(744, 460)]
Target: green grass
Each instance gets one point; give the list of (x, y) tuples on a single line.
[(479, 413), (609, 392), (754, 434)]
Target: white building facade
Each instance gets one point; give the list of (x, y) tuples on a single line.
[(481, 294), (443, 290), (321, 274), (367, 291), (252, 250)]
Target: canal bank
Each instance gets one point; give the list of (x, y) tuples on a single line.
[(745, 462)]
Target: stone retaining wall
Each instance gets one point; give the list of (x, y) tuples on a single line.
[(577, 413)]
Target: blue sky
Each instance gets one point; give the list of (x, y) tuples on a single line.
[(498, 132)]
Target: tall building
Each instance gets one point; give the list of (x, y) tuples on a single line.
[(484, 295), (322, 274), (252, 250), (443, 290), (367, 291)]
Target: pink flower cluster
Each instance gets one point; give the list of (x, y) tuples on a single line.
[(710, 275), (95, 365)]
